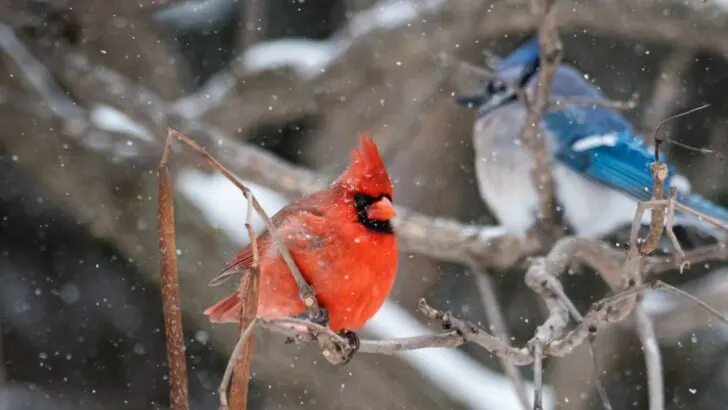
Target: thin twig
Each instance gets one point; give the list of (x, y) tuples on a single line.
[(237, 351), (653, 361), (494, 314), (537, 376), (169, 283), (542, 278), (557, 103), (658, 284), (601, 390), (472, 333), (249, 289), (253, 23)]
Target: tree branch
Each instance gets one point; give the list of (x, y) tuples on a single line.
[(531, 135)]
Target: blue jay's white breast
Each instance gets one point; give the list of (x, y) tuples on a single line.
[(503, 169)]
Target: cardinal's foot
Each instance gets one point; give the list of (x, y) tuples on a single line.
[(352, 340), (321, 319)]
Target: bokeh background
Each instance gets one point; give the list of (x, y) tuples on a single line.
[(88, 87)]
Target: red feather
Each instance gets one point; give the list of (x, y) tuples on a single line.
[(351, 267)]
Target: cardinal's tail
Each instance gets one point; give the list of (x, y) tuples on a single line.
[(226, 310)]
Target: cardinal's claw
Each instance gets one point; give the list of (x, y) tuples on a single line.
[(322, 319), (352, 340)]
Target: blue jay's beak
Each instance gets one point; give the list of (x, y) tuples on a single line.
[(471, 100)]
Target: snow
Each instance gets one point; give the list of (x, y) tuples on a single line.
[(110, 119), (311, 57), (37, 74), (456, 373), (389, 14), (308, 57), (224, 205), (195, 15)]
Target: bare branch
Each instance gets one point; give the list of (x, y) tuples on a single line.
[(474, 334), (253, 23), (249, 289), (237, 352), (498, 326), (169, 284), (532, 136), (556, 103), (653, 361)]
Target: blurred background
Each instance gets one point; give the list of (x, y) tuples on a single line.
[(87, 89)]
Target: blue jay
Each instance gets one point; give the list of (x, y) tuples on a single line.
[(600, 166)]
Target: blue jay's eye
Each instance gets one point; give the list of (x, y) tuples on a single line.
[(497, 87)]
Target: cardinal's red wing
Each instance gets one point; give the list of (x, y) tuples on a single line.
[(242, 261)]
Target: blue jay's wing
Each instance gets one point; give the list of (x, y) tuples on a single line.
[(616, 160), (602, 146), (598, 142)]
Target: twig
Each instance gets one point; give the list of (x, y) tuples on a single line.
[(653, 361), (657, 265), (681, 315), (658, 206), (253, 23), (531, 136), (494, 314), (537, 377), (169, 284), (249, 289), (658, 284), (542, 278), (601, 390), (557, 103), (237, 352), (291, 327), (472, 333), (552, 329)]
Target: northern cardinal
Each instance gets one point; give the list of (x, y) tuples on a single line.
[(341, 240)]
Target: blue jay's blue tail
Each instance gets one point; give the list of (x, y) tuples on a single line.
[(705, 207)]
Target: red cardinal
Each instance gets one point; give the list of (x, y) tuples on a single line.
[(343, 243)]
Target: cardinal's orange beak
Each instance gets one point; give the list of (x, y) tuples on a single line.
[(382, 210)]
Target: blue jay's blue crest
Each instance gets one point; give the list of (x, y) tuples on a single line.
[(601, 165)]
